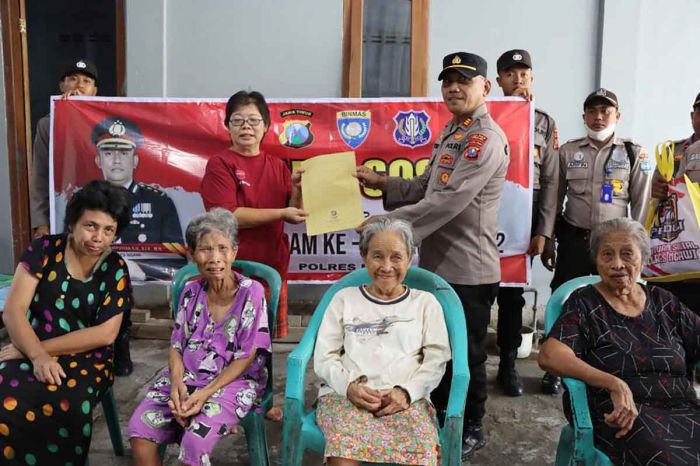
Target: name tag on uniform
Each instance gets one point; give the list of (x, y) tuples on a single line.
[(606, 193)]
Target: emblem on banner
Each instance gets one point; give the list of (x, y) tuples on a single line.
[(353, 126), (296, 134), (412, 129), (667, 226)]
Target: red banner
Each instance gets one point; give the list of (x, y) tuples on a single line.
[(392, 135)]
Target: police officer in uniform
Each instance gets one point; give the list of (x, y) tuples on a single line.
[(154, 218), (515, 78), (687, 162), (453, 208), (78, 78)]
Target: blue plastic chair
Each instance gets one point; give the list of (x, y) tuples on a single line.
[(575, 441), (253, 424), (300, 432)]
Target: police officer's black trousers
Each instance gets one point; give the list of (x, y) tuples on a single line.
[(476, 302), (510, 318), (573, 254)]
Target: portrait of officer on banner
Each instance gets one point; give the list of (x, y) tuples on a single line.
[(154, 218)]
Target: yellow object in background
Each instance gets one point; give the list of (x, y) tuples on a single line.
[(664, 159), (331, 193), (694, 192)]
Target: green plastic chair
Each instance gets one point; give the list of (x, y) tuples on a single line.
[(253, 424), (109, 408), (300, 432), (575, 441)]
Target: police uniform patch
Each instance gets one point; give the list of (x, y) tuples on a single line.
[(693, 157), (619, 156), (617, 186), (444, 178), (555, 139), (474, 144), (447, 160), (459, 136), (468, 122), (578, 161)]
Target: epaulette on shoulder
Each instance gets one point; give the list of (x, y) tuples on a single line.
[(574, 140), (634, 143), (151, 189), (543, 112)]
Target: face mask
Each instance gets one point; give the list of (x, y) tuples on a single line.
[(601, 135)]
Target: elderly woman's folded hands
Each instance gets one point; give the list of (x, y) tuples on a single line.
[(624, 410), (379, 402)]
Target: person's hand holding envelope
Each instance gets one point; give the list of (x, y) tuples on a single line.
[(331, 193)]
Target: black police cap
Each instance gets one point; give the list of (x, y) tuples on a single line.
[(116, 132), (601, 94), (515, 57), (82, 65), (466, 64), (697, 102)]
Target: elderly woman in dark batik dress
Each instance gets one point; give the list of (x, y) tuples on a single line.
[(633, 345)]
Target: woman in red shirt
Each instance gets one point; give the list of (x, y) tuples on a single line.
[(258, 188)]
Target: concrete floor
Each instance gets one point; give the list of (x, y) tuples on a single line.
[(521, 430)]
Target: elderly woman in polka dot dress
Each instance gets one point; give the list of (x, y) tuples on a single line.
[(62, 314)]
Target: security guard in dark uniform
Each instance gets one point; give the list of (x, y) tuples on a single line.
[(515, 78), (154, 218), (453, 209)]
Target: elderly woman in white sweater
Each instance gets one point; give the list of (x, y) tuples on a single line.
[(381, 349)]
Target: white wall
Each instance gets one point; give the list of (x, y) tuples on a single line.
[(213, 48), (650, 59), (563, 51)]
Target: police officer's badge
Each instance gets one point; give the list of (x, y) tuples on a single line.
[(354, 126), (117, 129), (412, 129)]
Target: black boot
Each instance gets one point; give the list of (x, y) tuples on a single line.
[(122, 355), (551, 385), (508, 378), (472, 439)]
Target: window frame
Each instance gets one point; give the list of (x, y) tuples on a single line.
[(352, 47)]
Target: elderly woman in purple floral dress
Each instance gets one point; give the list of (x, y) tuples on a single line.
[(216, 370)]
